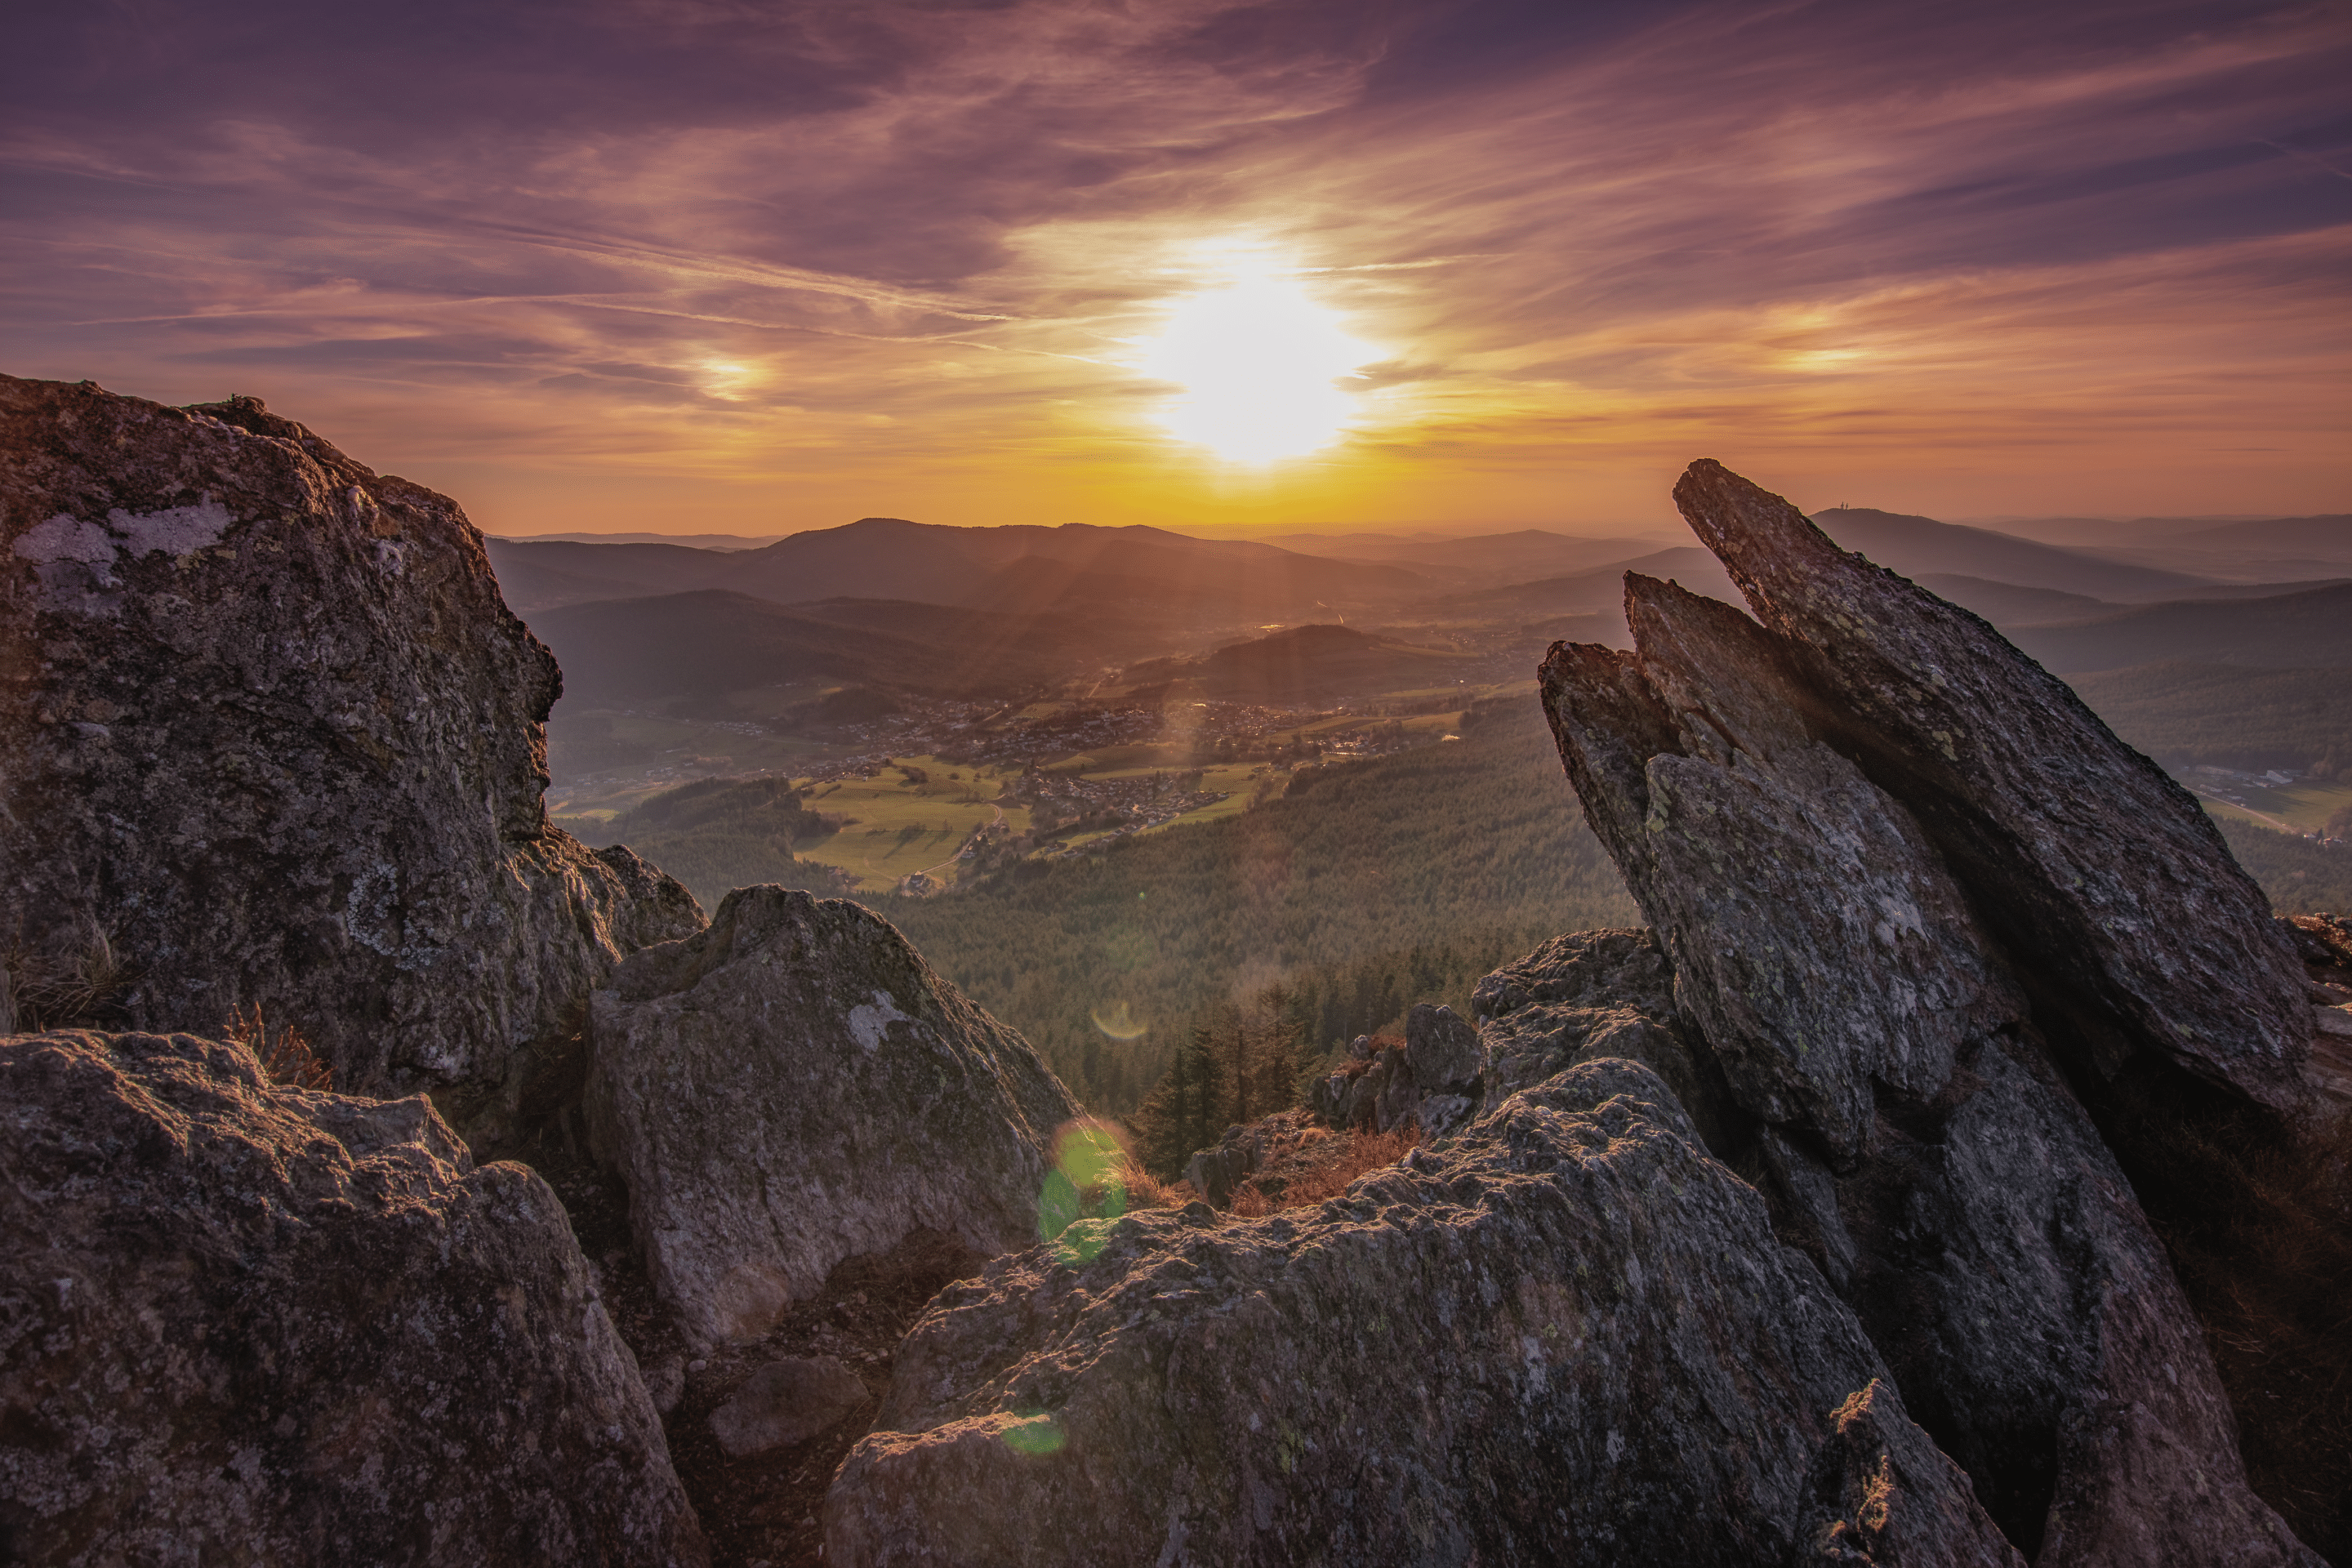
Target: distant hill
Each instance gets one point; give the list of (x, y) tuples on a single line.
[(691, 541), (2284, 631), (2006, 603), (2228, 715), (530, 586), (1918, 546), (1518, 556), (2277, 547), (1072, 641), (709, 642), (1600, 592), (1018, 569), (1304, 663), (546, 575), (2324, 537)]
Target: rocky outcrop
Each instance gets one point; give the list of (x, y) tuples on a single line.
[(1585, 997), (1430, 1081), (274, 739), (794, 1087), (1897, 1096), (240, 1323), (2099, 873), (1567, 1335)]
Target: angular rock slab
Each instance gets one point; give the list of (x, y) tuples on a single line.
[(244, 1324), (2089, 861), (794, 1086), (1818, 942), (273, 733), (1566, 1336), (1967, 1209)]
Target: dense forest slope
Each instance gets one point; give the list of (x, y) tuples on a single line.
[(1438, 862)]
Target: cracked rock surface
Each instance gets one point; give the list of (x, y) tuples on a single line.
[(2083, 855), (1900, 1102), (794, 1087), (1565, 1335), (274, 739), (251, 1324)]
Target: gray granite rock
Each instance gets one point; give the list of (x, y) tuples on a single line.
[(246, 1324), (1566, 1336), (794, 1087), (1902, 1111), (274, 739), (2101, 873)]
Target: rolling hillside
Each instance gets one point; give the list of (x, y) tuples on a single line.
[(1022, 569), (1306, 664), (2228, 715), (1600, 592), (2286, 631), (704, 644), (1918, 546)]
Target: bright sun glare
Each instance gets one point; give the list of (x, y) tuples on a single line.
[(1257, 361)]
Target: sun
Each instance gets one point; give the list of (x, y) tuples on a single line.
[(1259, 362)]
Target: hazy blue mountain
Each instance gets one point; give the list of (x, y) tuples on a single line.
[(1598, 591), (1527, 553), (710, 641), (1310, 663), (542, 575), (1918, 546), (2228, 715), (2284, 631), (1018, 569), (2006, 603)]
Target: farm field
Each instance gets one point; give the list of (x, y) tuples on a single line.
[(2301, 807), (911, 817)]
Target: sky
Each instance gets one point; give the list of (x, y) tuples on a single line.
[(758, 266)]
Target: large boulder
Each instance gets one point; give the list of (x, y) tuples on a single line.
[(1567, 1335), (2105, 879), (246, 1324), (1899, 1097), (794, 1086), (275, 741)]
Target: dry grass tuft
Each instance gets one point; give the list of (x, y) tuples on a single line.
[(1146, 1191), (286, 1058), (66, 985), (1338, 1161)]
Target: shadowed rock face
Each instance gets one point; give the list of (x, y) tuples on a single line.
[(1817, 943), (1897, 1100), (2099, 871), (796, 1085), (1566, 1335), (272, 732), (246, 1325)]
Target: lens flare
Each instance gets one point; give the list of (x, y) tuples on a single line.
[(1085, 1191), (1258, 361), (1032, 1432), (1120, 1022)]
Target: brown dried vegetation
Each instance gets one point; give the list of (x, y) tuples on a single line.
[(285, 1057), (1325, 1166), (71, 982)]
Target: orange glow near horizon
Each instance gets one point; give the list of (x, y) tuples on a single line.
[(1043, 262)]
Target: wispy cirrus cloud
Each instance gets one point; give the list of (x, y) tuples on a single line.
[(698, 264)]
